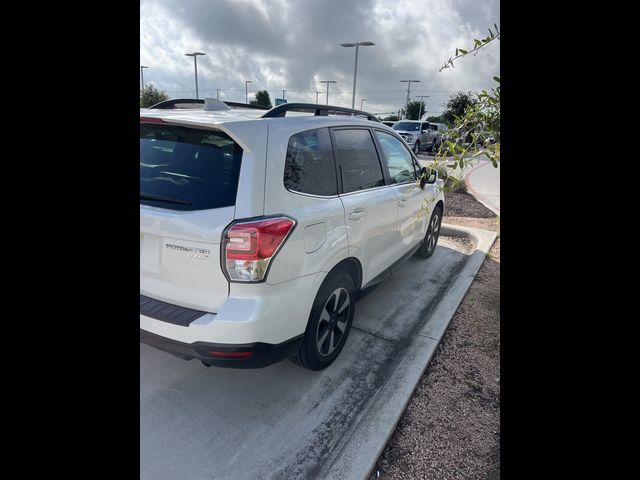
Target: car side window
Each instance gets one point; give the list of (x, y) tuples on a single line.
[(309, 166), (399, 160), (359, 164)]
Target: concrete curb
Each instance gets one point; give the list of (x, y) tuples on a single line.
[(364, 444)]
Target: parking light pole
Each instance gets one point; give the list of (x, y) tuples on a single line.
[(246, 91), (355, 68), (420, 111), (328, 82), (408, 93), (195, 65), (142, 77)]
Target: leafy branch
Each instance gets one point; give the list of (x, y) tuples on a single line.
[(478, 44), (476, 132)]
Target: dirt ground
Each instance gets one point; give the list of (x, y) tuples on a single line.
[(451, 427)]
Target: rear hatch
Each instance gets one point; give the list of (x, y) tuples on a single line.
[(188, 186)]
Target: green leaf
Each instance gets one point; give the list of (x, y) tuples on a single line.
[(477, 42), (464, 52), (490, 33), (497, 79), (456, 52)]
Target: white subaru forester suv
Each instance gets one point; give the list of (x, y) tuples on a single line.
[(260, 230)]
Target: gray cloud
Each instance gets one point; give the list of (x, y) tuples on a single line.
[(292, 44)]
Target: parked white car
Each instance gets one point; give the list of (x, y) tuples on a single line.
[(258, 231)]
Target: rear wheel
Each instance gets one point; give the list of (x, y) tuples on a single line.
[(431, 237), (329, 323)]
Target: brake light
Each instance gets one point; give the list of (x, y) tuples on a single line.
[(151, 120), (249, 247)]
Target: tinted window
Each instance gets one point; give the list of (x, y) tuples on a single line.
[(399, 160), (358, 159), (407, 126), (309, 166), (187, 169), (433, 127)]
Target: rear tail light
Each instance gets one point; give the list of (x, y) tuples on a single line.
[(249, 247), (151, 120)]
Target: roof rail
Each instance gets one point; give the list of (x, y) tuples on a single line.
[(167, 104), (171, 104), (246, 105), (320, 110)]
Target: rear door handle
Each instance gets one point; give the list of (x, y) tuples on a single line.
[(357, 214)]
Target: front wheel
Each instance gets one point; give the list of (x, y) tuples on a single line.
[(431, 237), (329, 322)]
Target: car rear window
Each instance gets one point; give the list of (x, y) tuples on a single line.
[(309, 165), (187, 169)]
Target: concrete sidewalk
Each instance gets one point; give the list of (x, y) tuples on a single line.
[(483, 182), (481, 178)]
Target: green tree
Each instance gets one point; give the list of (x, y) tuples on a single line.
[(413, 109), (437, 119), (476, 131), (262, 99), (391, 118), (150, 95), (456, 106)]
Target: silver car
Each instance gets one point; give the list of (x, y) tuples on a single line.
[(418, 135)]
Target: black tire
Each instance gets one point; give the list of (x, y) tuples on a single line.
[(433, 233), (416, 147), (314, 352)]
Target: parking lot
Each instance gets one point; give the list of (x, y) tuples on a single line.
[(285, 422)]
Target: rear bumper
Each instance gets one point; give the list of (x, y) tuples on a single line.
[(253, 313), (261, 354)]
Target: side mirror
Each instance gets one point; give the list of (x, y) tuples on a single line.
[(428, 176), (425, 131)]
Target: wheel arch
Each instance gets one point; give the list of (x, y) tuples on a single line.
[(353, 267)]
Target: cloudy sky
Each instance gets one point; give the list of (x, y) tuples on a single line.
[(293, 44)]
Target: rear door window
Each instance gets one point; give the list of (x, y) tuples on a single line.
[(309, 166), (187, 169), (359, 164)]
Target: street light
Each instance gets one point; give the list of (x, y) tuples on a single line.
[(355, 68), (408, 92), (420, 111), (246, 91), (142, 77), (317, 92), (327, 82), (195, 64), (361, 102)]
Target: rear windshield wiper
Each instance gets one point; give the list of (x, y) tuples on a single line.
[(163, 198)]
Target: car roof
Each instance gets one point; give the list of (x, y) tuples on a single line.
[(240, 123)]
